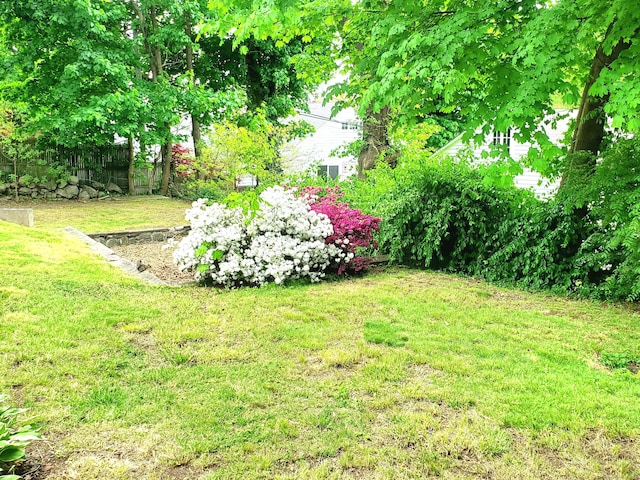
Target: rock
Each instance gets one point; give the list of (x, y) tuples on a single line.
[(3, 188), (102, 194), (113, 242), (24, 191), (112, 187), (62, 184), (73, 180), (72, 191), (51, 185), (92, 192), (93, 184), (62, 193), (23, 181), (83, 196), (141, 266)]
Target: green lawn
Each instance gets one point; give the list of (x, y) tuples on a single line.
[(109, 214), (400, 374)]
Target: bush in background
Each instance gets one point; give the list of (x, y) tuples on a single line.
[(444, 217), (444, 214), (231, 154)]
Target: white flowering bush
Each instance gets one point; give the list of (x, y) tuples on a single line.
[(283, 239)]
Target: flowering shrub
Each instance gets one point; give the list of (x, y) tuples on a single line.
[(353, 231), (282, 239)]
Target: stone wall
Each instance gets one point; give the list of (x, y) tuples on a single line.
[(128, 237), (71, 189)]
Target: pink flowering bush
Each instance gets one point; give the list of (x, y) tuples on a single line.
[(353, 231)]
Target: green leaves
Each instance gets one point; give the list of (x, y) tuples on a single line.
[(13, 439)]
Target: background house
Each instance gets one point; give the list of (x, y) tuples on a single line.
[(315, 150), (555, 130)]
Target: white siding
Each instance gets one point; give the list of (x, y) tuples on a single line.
[(315, 149)]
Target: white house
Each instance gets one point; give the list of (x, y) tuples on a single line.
[(555, 129), (315, 151)]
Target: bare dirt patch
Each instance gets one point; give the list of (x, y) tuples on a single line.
[(152, 257)]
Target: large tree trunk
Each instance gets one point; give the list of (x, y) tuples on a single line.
[(157, 72), (165, 152), (195, 124), (376, 139), (591, 119), (131, 169)]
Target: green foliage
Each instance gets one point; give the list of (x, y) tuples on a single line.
[(232, 152), (449, 216), (537, 246), (14, 438), (612, 196), (199, 188), (444, 217), (87, 73), (616, 360)]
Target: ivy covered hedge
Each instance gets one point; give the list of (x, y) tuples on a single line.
[(445, 216)]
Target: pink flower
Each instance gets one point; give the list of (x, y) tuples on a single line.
[(352, 229)]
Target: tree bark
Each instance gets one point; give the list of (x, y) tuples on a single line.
[(195, 124), (376, 139), (165, 151), (131, 169), (157, 72), (591, 119)]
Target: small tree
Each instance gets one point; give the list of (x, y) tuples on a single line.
[(232, 152), (14, 144)]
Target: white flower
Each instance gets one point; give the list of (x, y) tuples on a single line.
[(284, 240)]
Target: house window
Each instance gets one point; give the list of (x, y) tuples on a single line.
[(502, 138), (329, 171), (351, 126)]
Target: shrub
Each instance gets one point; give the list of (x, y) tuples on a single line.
[(230, 154), (183, 160), (537, 247), (444, 214), (611, 253), (444, 217), (353, 231), (13, 439), (281, 239)]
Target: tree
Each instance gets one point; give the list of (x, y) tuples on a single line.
[(88, 72), (78, 70), (502, 63)]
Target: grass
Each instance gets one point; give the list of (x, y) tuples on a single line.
[(400, 374), (110, 214)]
